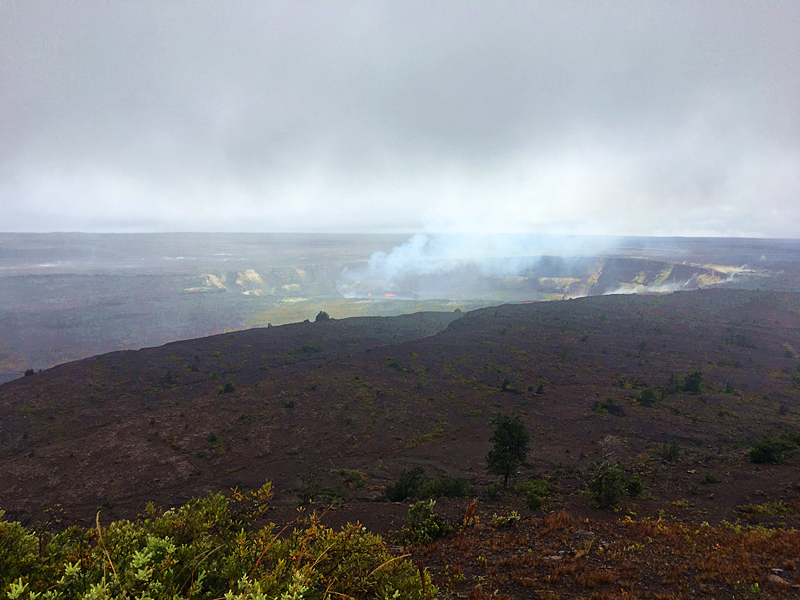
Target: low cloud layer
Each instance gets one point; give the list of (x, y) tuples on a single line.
[(624, 118)]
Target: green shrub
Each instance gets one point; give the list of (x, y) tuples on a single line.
[(415, 484), (634, 486), (691, 383), (606, 484), (423, 525), (538, 487), (19, 551), (774, 450), (408, 485), (203, 549), (647, 397), (533, 502), (673, 385), (508, 520), (447, 487), (354, 479), (778, 508), (670, 452), (607, 406)]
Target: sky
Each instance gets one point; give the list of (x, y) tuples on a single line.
[(665, 118)]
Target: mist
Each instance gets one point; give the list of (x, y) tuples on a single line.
[(621, 118)]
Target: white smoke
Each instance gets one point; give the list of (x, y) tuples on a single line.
[(455, 259), (667, 288)]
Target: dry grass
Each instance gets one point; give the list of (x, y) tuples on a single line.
[(559, 557)]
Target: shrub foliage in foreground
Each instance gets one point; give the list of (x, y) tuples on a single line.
[(203, 550)]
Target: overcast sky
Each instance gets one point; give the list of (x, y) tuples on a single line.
[(619, 118)]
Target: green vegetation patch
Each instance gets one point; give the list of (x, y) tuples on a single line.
[(607, 483), (352, 478), (778, 508), (606, 407), (775, 450), (415, 484), (423, 525), (740, 340), (305, 349), (204, 549), (689, 384), (426, 437)]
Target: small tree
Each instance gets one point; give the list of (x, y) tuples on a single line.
[(322, 316), (511, 442)]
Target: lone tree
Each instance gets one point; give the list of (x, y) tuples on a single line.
[(322, 316), (511, 446)]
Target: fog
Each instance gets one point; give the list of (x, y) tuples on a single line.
[(555, 117)]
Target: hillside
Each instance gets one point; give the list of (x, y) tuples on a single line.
[(382, 394)]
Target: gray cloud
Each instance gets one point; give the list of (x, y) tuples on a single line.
[(648, 118)]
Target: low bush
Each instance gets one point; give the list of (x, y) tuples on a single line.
[(634, 487), (312, 491), (690, 384), (647, 398), (607, 406), (774, 450), (538, 487), (607, 483), (533, 501), (408, 485), (447, 487), (415, 484), (670, 452), (203, 549), (508, 520), (423, 525), (354, 479), (778, 508)]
